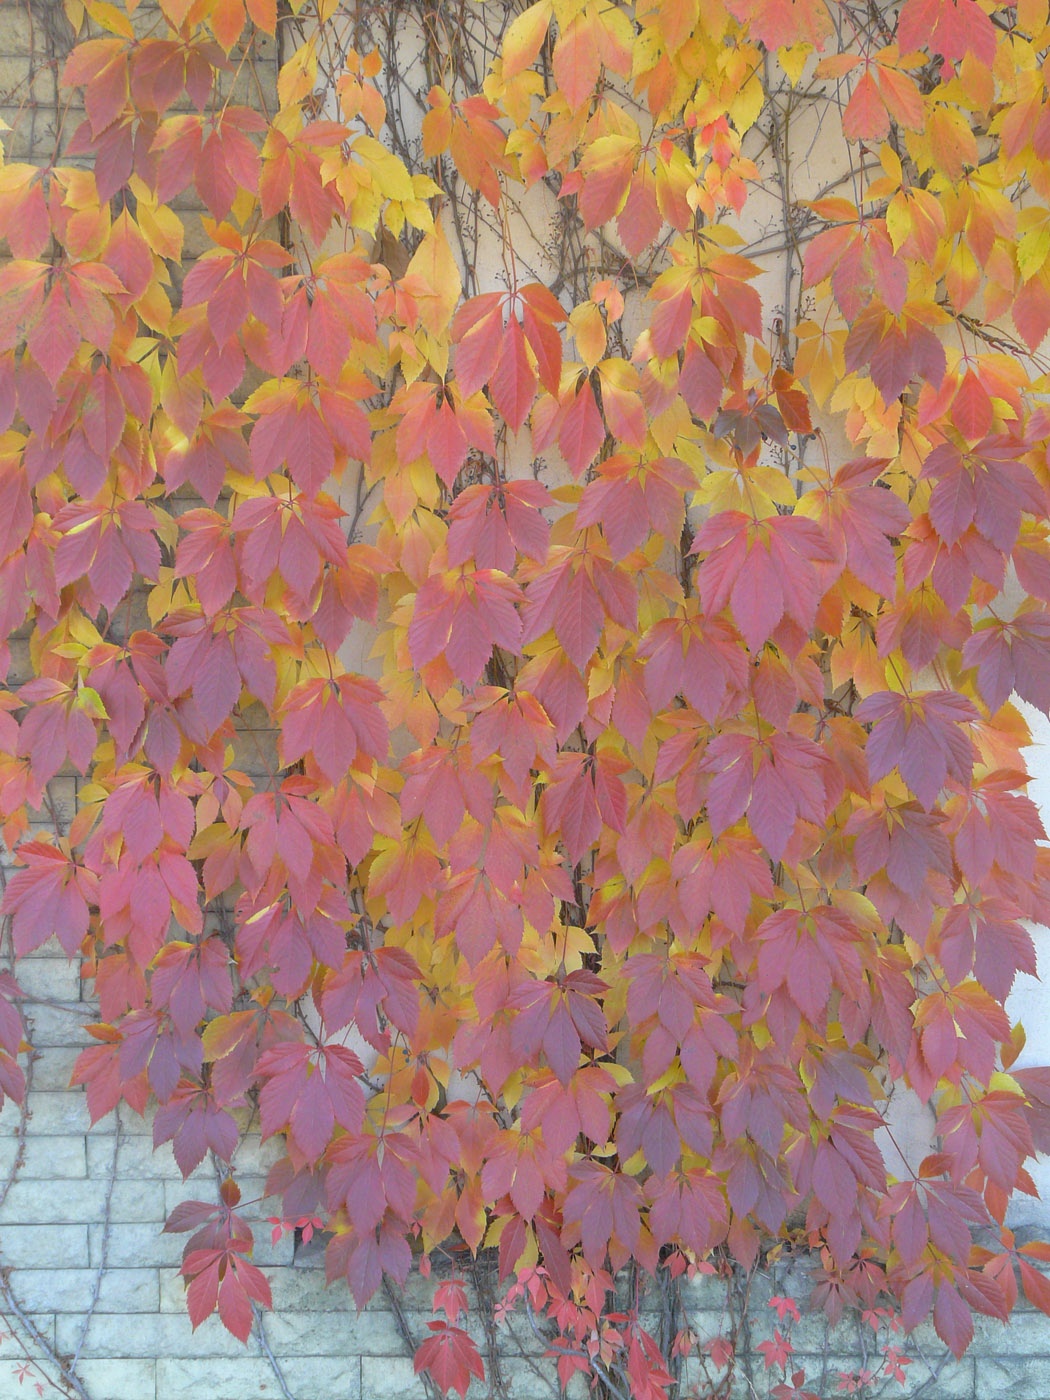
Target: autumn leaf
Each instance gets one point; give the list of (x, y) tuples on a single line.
[(463, 598)]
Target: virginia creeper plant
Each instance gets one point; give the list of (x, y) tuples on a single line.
[(534, 610)]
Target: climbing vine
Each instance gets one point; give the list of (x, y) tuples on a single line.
[(531, 537)]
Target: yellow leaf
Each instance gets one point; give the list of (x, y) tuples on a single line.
[(1033, 248), (674, 1074), (1005, 1084), (675, 422), (951, 141), (244, 205), (386, 169), (891, 163), (158, 600), (423, 187), (83, 630), (962, 277), (760, 489), (899, 222), (434, 268), (154, 308), (161, 227), (747, 104), (792, 58), (565, 11), (110, 18), (271, 393), (418, 214), (587, 326), (524, 39), (1032, 252), (298, 76), (859, 907)]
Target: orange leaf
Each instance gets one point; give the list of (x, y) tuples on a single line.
[(865, 117)]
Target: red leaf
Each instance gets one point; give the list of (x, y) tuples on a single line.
[(512, 383), (1036, 1286), (47, 897), (952, 1319), (866, 117), (921, 735), (334, 721), (296, 1093), (582, 431), (700, 382), (450, 1356)]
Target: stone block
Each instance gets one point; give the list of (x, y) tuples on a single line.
[(62, 803), (221, 1378), (151, 1336), (812, 1332), (267, 1253), (133, 1246), (295, 1291), (122, 1379), (10, 1125), (43, 1246), (195, 240), (1015, 1377), (54, 977), (49, 1158), (53, 1068), (27, 83), (11, 1343), (70, 1290), (239, 87), (385, 1378), (339, 1333), (304, 1290), (138, 1160), (137, 1200), (704, 1293), (322, 1377), (132, 1125), (58, 1025), (416, 1294), (59, 1113), (45, 1202), (390, 1378), (706, 1326), (254, 749), (1026, 1334), (19, 35), (28, 142), (21, 667), (255, 1157)]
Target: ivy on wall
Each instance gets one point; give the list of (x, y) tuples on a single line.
[(659, 388)]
